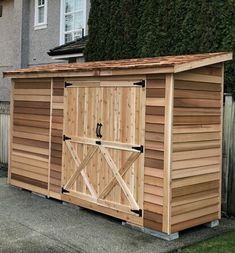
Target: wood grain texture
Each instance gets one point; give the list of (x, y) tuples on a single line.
[(177, 117), (168, 153), (57, 119), (29, 161), (196, 165), (160, 65), (113, 174), (154, 153)]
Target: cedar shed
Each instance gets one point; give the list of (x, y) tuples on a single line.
[(139, 139)]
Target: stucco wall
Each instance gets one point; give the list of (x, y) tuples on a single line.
[(40, 41), (6, 27), (20, 44), (13, 40), (10, 44)]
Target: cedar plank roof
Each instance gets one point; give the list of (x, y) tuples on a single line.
[(166, 64)]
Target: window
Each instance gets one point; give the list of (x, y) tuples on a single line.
[(40, 14), (73, 20), (0, 11)]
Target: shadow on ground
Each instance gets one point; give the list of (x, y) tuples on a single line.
[(3, 171), (33, 224)]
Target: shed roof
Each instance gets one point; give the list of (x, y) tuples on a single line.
[(166, 64)]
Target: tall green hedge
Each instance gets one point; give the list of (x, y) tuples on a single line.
[(113, 29), (143, 28)]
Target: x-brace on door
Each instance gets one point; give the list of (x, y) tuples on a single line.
[(103, 143)]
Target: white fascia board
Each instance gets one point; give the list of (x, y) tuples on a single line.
[(66, 56)]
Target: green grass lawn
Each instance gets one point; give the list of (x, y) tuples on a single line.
[(221, 244)]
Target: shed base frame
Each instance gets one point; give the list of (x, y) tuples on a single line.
[(155, 233), (101, 209), (212, 224)]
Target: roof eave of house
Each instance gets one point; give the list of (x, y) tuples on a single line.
[(65, 52), (73, 47), (67, 56)]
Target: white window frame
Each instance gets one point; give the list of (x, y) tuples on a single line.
[(42, 25), (62, 20)]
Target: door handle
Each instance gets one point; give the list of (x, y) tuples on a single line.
[(100, 126), (98, 130)]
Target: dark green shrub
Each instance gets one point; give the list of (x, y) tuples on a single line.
[(144, 28)]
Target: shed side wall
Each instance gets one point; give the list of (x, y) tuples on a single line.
[(29, 163), (154, 152), (196, 160)]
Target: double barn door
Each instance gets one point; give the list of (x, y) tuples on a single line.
[(103, 143)]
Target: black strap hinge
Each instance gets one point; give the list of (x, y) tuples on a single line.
[(64, 190), (66, 84), (139, 212), (140, 148), (98, 142), (141, 83), (66, 138)]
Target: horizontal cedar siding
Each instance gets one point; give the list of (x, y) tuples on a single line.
[(30, 133), (57, 135), (29, 181), (154, 154), (196, 159)]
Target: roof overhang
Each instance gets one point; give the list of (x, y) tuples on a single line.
[(67, 56), (92, 73), (204, 62), (157, 65), (74, 47)]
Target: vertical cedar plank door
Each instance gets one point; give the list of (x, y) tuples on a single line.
[(104, 170)]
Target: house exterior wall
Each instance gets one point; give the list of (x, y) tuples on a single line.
[(10, 42), (21, 45), (40, 41)]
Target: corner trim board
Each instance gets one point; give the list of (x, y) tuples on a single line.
[(169, 97)]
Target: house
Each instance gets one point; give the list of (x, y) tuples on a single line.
[(30, 28)]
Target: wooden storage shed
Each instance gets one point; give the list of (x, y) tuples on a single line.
[(136, 139)]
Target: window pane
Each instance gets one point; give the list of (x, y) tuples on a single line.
[(41, 2), (78, 20), (69, 6), (68, 37), (77, 34), (73, 19), (78, 5), (41, 15), (68, 22)]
